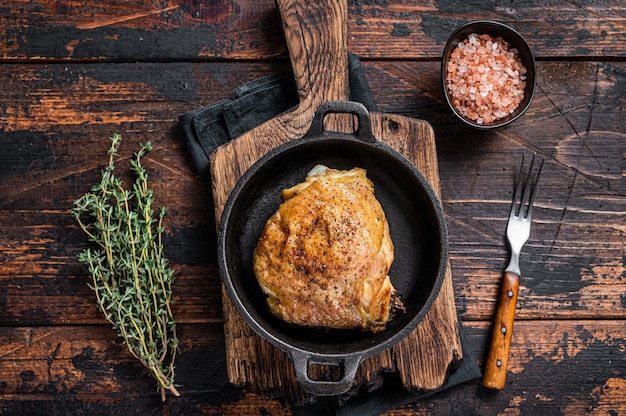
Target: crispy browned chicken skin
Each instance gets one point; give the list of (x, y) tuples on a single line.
[(323, 257)]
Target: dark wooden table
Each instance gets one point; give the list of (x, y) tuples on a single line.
[(72, 74)]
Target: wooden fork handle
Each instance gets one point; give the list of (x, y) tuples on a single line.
[(498, 358)]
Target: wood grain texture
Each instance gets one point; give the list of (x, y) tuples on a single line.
[(50, 159), (497, 361), (317, 45), (72, 369), (317, 42), (239, 29), (422, 359), (73, 74)]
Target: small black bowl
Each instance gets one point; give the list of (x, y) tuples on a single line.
[(515, 40)]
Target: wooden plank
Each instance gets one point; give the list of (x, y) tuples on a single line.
[(143, 100), (313, 32), (70, 369), (254, 362), (557, 367), (48, 360), (41, 279), (73, 74), (55, 120), (176, 30), (52, 370)]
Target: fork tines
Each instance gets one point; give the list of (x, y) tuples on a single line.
[(525, 189)]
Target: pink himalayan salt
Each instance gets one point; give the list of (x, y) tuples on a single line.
[(485, 78)]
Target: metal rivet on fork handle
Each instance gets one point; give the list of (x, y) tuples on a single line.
[(517, 233)]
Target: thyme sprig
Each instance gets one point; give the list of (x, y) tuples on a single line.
[(131, 277)]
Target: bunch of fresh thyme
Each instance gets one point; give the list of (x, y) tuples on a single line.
[(131, 277)]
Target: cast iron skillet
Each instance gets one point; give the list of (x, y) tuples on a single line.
[(417, 228)]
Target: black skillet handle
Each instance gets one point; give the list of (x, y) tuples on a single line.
[(349, 364), (363, 131)]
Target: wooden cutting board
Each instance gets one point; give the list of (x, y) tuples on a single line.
[(316, 39)]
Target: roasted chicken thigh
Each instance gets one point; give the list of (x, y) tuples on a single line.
[(323, 257)]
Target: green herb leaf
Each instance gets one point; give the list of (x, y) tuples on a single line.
[(131, 277)]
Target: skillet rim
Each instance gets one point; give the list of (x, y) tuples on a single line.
[(371, 145)]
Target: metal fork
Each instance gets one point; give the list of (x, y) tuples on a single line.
[(517, 233)]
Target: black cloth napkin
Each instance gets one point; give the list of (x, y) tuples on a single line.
[(251, 104)]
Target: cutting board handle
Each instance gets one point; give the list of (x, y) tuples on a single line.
[(316, 35)]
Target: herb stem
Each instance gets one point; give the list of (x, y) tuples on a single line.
[(130, 274)]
